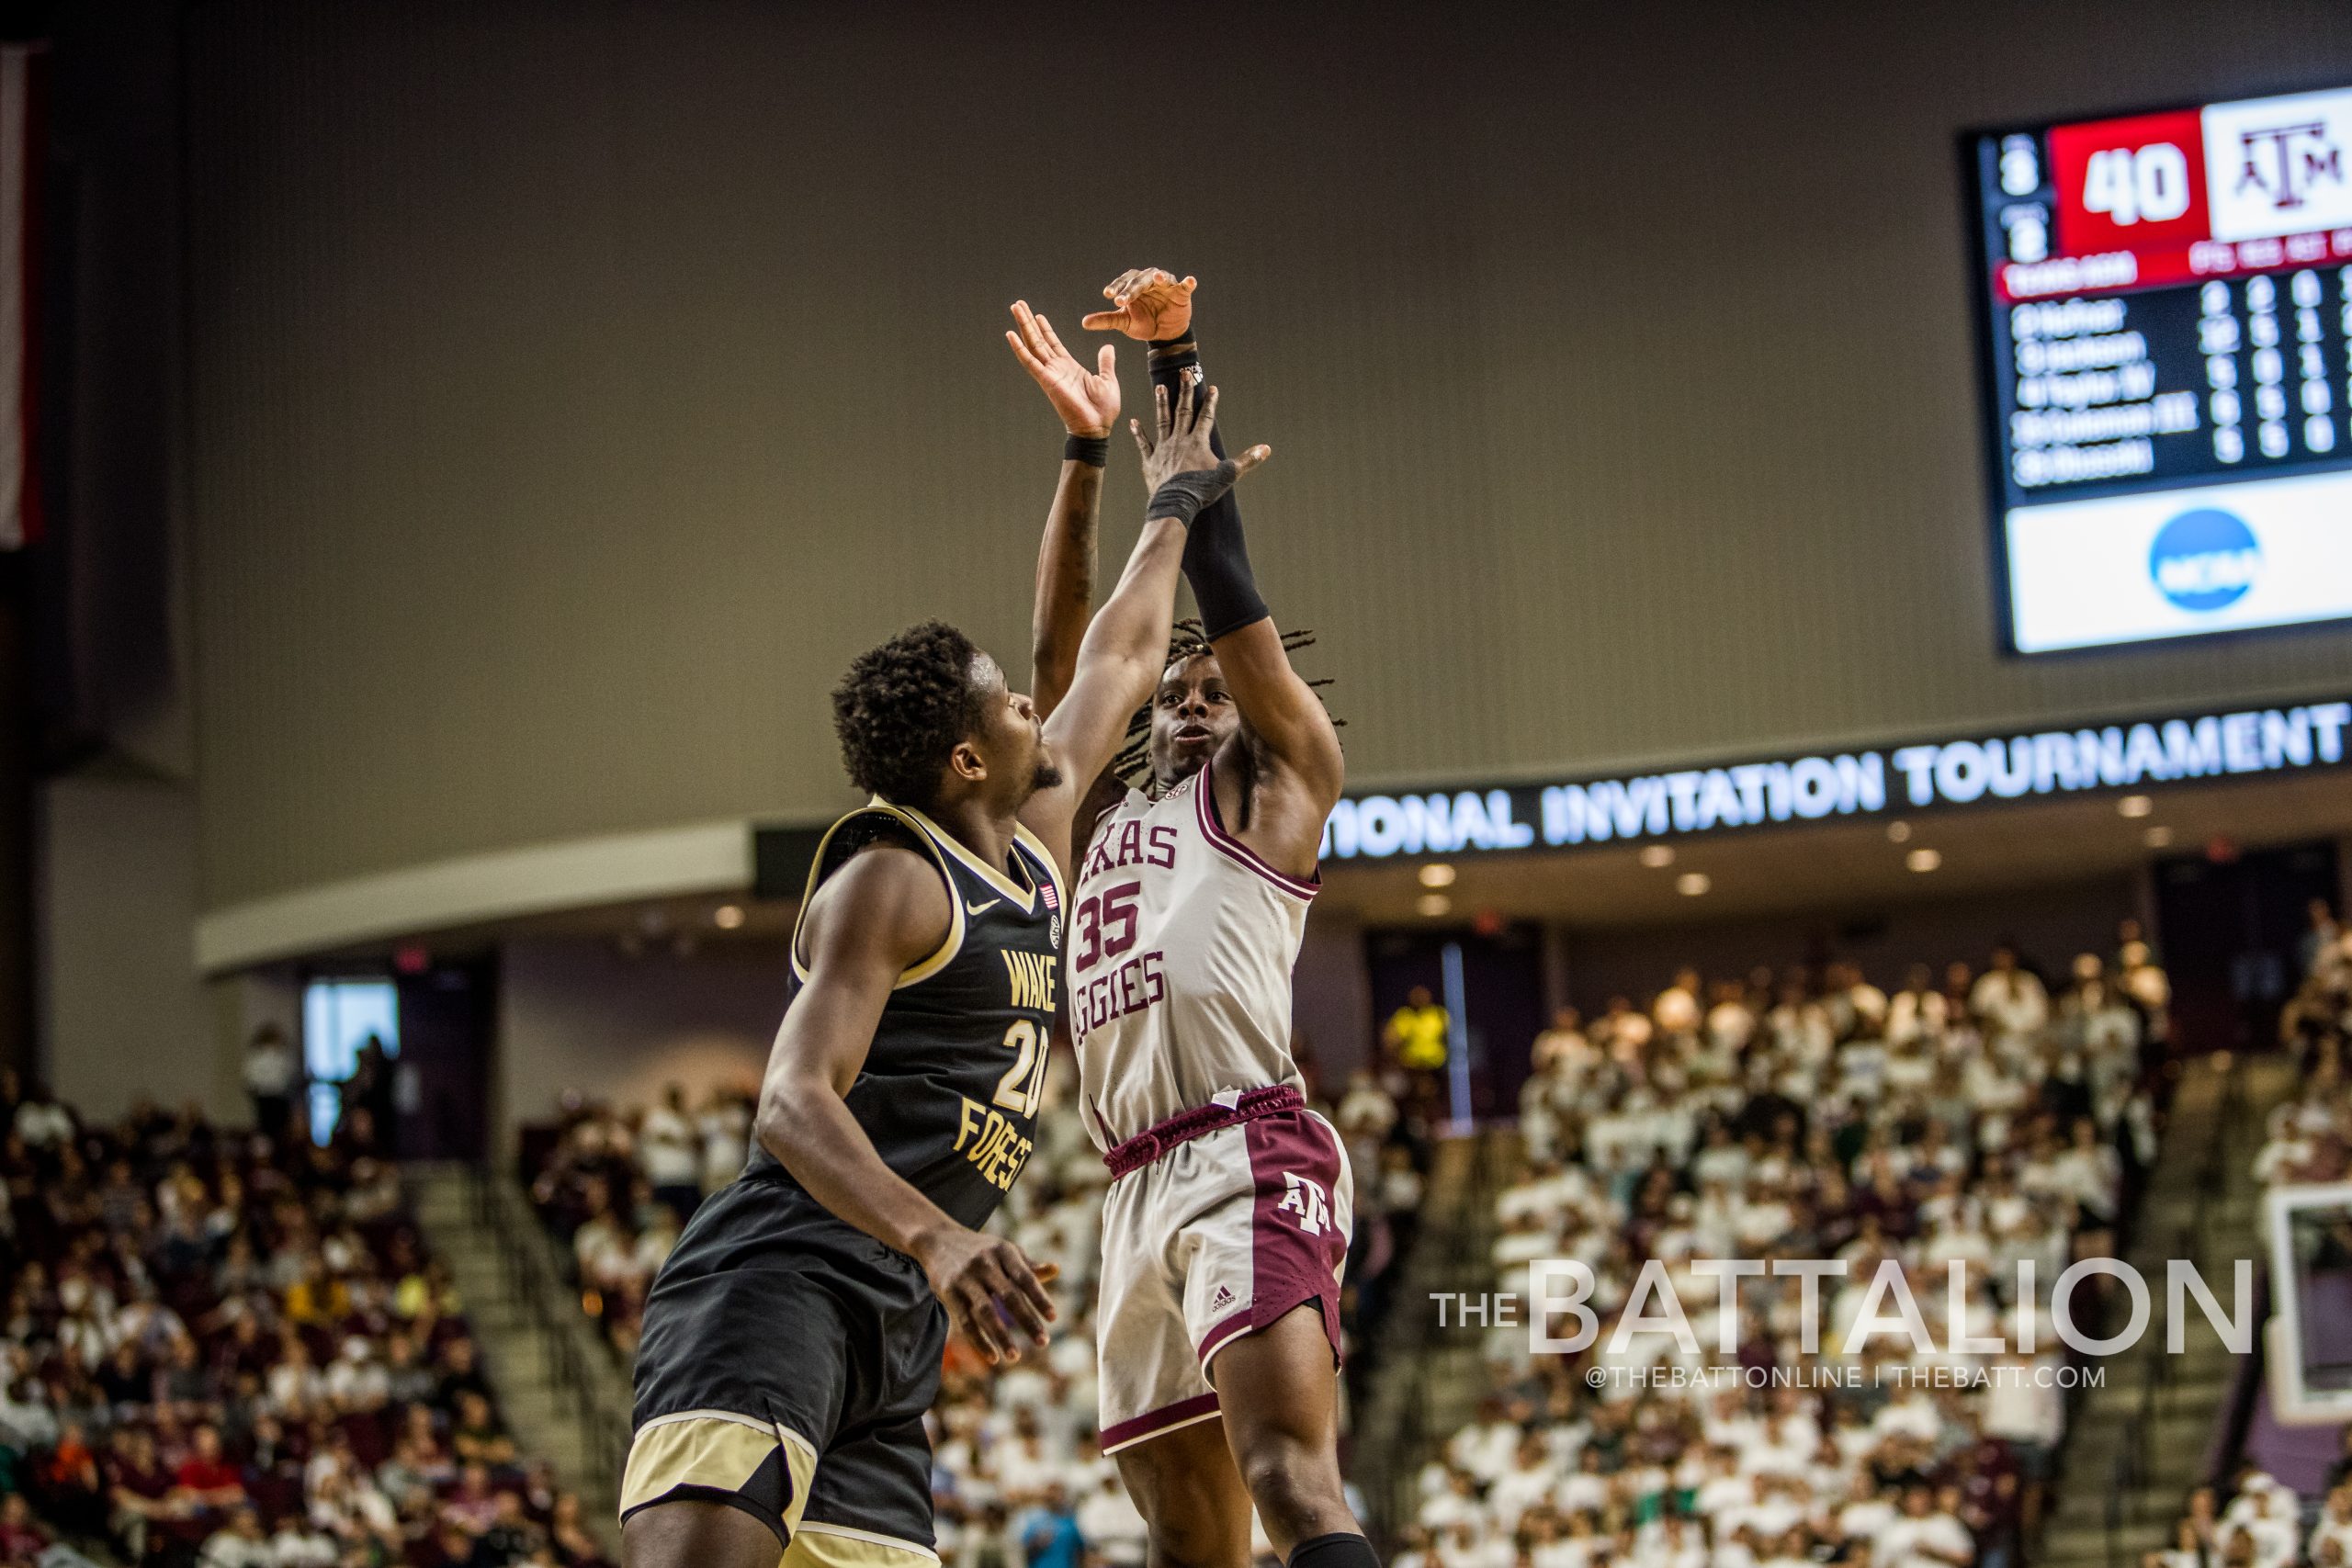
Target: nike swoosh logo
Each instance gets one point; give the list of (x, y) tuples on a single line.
[(983, 906)]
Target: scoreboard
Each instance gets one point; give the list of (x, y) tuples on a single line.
[(2169, 356)]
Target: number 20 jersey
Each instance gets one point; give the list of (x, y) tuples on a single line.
[(951, 1085), (1181, 948)]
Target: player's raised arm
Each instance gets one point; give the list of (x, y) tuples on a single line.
[(1088, 406), (878, 915), (1293, 749), (1124, 649)]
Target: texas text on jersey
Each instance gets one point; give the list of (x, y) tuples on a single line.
[(1182, 944)]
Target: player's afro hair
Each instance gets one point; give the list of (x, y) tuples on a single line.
[(902, 709)]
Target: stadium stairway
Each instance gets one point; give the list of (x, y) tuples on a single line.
[(560, 1389), (1428, 1382), (2137, 1444)]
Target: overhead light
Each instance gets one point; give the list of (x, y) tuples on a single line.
[(1433, 904), (1924, 858), (1436, 873), (2135, 806), (1657, 857), (727, 916), (1692, 884), (1898, 832), (2158, 837)]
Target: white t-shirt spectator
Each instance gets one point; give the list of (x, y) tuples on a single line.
[(269, 1069), (2014, 1001), (666, 1149), (2019, 1408), (1933, 1539), (726, 1130), (295, 1546), (44, 1126)]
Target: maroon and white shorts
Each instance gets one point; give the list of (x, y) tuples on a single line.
[(1213, 1238)]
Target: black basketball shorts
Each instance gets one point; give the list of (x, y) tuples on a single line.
[(785, 1370)]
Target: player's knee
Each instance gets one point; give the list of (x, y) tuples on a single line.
[(1295, 1485), (1192, 1541), (1191, 1529), (1185, 1489)]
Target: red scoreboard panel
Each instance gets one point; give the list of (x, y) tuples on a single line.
[(2169, 367)]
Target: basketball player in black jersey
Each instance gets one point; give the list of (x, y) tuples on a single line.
[(792, 1341)]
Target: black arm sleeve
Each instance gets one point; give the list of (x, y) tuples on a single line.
[(1217, 557)]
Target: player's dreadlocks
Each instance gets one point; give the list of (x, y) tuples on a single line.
[(1186, 642), (902, 708)]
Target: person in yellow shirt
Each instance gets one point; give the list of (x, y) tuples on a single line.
[(315, 1298), (1416, 1032)]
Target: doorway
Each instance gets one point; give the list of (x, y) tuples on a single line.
[(2231, 926), (1492, 984)]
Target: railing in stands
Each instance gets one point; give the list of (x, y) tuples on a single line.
[(579, 1367), (2134, 1469), (1448, 1253)]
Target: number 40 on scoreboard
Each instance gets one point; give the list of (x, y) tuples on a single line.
[(2129, 184)]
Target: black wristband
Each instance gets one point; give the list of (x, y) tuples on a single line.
[(1094, 451), (1181, 496), (1169, 354)]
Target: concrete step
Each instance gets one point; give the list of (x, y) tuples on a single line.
[(2181, 1216), (518, 1340)]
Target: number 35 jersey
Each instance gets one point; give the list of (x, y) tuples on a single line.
[(951, 1085), (1180, 949)]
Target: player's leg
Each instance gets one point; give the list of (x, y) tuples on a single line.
[(1159, 1413), (1278, 1390), (1185, 1485), (1262, 1297), (870, 1504), (728, 1434), (690, 1534)]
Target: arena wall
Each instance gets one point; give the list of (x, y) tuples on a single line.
[(573, 389), (578, 1017), (123, 1016)]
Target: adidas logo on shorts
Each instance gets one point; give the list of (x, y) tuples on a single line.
[(1222, 1299)]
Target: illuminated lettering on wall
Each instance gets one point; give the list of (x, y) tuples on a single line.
[(1849, 784)]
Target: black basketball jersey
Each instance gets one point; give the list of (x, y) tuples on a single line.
[(951, 1085)]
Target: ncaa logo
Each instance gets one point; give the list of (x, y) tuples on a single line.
[(2205, 560)]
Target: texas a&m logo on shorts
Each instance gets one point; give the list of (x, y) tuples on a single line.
[(1307, 1199)]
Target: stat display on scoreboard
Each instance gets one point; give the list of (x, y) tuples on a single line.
[(2170, 357)]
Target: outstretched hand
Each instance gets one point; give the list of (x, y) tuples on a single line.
[(1147, 303), (1180, 444), (991, 1290), (1088, 404)]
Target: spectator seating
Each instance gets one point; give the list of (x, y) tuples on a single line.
[(1980, 1119), (2255, 1521), (226, 1350)]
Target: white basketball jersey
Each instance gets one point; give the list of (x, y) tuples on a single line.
[(1181, 948)]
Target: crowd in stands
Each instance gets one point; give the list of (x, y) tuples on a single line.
[(2256, 1521), (2309, 1139), (1987, 1118), (224, 1350), (1018, 1478), (618, 1187)]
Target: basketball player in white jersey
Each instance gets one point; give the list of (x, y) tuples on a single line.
[(1227, 1226)]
